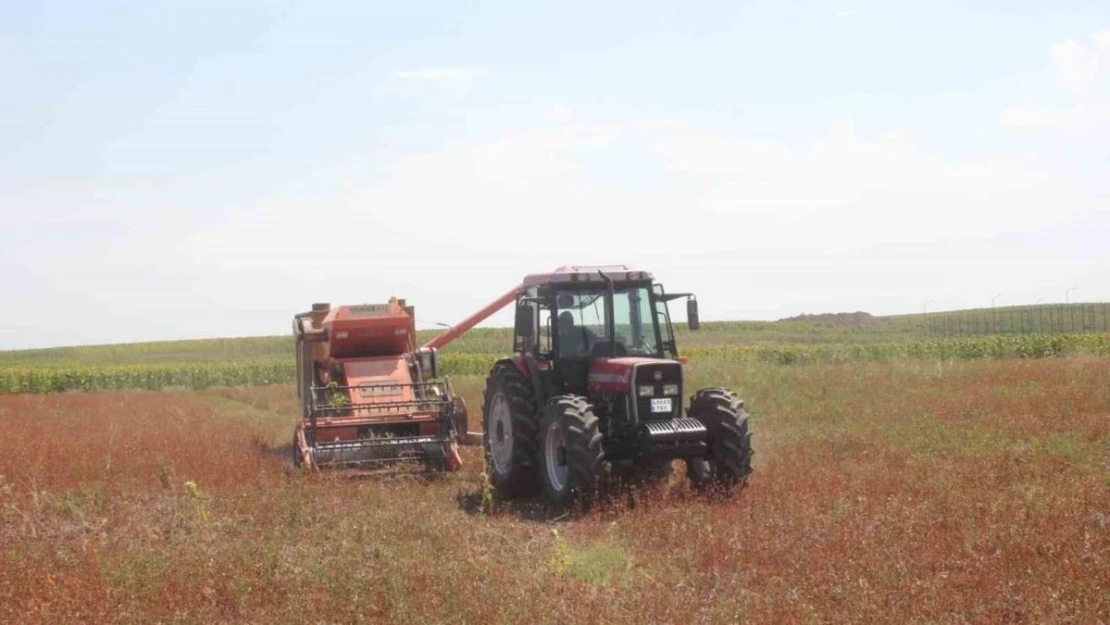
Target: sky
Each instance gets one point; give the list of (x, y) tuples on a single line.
[(176, 170)]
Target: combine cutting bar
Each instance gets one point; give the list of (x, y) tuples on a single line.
[(372, 451)]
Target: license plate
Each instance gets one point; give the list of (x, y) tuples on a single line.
[(661, 405)]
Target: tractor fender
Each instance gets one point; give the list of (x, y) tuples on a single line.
[(526, 365)]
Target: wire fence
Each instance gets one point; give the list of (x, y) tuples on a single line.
[(1040, 319)]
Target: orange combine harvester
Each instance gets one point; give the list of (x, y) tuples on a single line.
[(370, 397)]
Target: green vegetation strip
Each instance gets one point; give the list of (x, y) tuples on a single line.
[(60, 376), (56, 378), (965, 348)]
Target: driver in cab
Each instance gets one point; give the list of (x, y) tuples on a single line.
[(574, 340)]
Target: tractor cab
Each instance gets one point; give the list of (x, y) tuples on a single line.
[(577, 316)]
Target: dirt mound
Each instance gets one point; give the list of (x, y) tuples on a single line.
[(858, 318)]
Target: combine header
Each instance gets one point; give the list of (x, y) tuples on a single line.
[(370, 397)]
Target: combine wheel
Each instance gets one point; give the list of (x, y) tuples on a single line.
[(570, 450), (298, 455), (452, 456), (509, 432), (443, 457), (729, 461), (461, 419), (296, 451)]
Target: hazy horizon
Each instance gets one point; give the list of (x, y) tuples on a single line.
[(677, 313)]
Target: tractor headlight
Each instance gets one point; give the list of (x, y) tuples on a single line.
[(670, 390), (645, 391)]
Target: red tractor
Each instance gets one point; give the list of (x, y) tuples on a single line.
[(596, 383)]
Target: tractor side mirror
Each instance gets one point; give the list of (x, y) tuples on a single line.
[(692, 314), (525, 326)]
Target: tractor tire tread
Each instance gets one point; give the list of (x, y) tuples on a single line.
[(523, 478), (585, 455), (730, 438)]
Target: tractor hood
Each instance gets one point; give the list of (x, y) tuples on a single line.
[(616, 375)]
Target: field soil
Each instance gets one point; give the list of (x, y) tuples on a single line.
[(910, 491)]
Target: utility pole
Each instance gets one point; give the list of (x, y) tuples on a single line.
[(1067, 293)]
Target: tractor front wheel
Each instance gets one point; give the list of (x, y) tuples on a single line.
[(570, 451), (728, 462), (510, 426)]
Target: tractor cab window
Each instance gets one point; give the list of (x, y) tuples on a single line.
[(544, 344), (663, 318), (632, 313), (533, 324), (580, 323)]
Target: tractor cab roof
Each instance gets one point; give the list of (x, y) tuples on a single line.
[(587, 274)]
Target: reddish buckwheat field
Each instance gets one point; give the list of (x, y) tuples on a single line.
[(906, 491)]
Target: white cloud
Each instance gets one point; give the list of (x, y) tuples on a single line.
[(839, 191), (763, 228), (1078, 65), (559, 115), (456, 81), (665, 124), (1073, 118), (759, 229), (1080, 71), (844, 191), (441, 74)]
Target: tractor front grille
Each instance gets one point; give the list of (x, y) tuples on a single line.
[(674, 438), (657, 375), (675, 428)]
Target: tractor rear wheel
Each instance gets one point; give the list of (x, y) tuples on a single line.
[(510, 424), (728, 462), (570, 451)]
